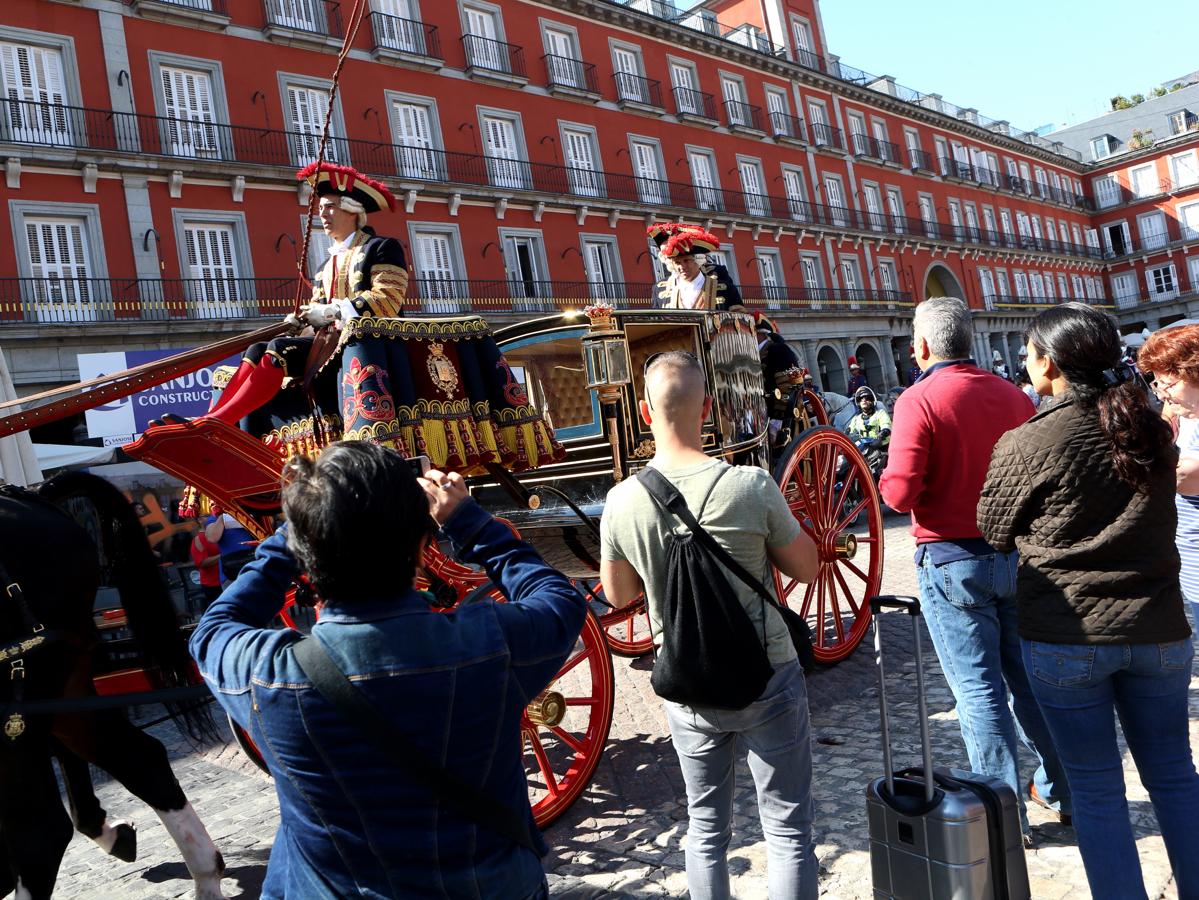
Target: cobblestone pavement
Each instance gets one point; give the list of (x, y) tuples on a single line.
[(625, 836)]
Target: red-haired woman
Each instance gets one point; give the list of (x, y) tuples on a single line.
[(1172, 355)]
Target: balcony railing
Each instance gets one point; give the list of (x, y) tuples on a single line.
[(690, 102), (637, 89), (314, 16), (491, 55), (112, 132), (826, 135), (919, 159), (572, 74), (873, 148), (743, 115), (783, 125), (405, 36), (220, 7)]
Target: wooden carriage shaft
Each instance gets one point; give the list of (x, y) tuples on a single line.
[(74, 398)]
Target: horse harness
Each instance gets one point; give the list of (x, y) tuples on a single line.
[(32, 637)]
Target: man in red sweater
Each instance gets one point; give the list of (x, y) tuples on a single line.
[(945, 427)]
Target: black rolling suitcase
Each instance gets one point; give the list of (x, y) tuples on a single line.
[(955, 836)]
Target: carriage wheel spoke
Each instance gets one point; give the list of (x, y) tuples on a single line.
[(572, 662), (809, 596), (580, 701), (543, 763), (567, 738), (835, 608), (853, 607), (851, 515), (856, 570)]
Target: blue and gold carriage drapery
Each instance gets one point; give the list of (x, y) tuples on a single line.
[(434, 387)]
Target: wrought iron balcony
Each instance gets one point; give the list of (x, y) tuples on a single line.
[(219, 7), (697, 104), (920, 160), (569, 74), (743, 115), (787, 127), (489, 55), (826, 135), (313, 16), (873, 148), (637, 89), (405, 36)]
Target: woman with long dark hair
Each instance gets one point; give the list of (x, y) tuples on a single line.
[(1085, 491)]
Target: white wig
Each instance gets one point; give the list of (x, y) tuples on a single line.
[(350, 205)]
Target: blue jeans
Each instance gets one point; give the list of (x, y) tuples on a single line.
[(970, 608), (777, 735), (1078, 687)]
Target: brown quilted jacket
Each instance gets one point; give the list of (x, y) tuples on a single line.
[(1097, 559)]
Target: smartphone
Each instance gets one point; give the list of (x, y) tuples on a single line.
[(419, 464)]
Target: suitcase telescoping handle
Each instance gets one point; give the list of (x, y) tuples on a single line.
[(912, 605)]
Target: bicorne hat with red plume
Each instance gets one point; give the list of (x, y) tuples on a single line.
[(661, 232), (692, 240), (331, 179)]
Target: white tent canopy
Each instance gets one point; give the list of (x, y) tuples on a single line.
[(58, 456), (18, 462)]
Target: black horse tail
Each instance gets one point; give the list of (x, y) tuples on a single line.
[(129, 566)]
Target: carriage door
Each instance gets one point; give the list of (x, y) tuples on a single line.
[(306, 109), (34, 95), (212, 267), (601, 269), (189, 129), (503, 163), (58, 261)]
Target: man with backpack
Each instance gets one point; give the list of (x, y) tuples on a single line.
[(727, 666)]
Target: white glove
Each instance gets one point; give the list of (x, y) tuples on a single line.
[(294, 321), (319, 314), (345, 310)]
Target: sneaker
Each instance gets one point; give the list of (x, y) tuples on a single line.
[(1031, 793)]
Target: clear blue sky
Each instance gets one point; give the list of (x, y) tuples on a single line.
[(1033, 62)]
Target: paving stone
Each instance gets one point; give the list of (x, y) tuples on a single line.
[(626, 836)]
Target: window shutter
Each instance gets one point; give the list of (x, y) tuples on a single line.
[(434, 265), (189, 109), (500, 141), (211, 262), (306, 110), (60, 264), (581, 162), (33, 82), (415, 137)]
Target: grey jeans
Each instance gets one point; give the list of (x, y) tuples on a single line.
[(777, 737)]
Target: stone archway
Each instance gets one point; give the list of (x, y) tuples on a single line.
[(832, 370), (939, 281), (872, 367)]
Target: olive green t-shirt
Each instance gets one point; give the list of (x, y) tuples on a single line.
[(746, 512)]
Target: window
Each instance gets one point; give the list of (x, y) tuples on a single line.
[(437, 256), (1001, 283), (582, 161), (504, 147), (1193, 273), (483, 38), (793, 187), (942, 148), (986, 284), (813, 280), (1124, 289), (627, 71), (1103, 146), (989, 225), (1183, 171), (780, 114), (1026, 178), (305, 15), (887, 279), (58, 260), (818, 122), (1107, 190), (1050, 230), (1153, 231), (874, 207), (1143, 181), (306, 102), (1049, 286), (878, 129), (929, 215), (1076, 283), (417, 137), (190, 113), (524, 258), (1116, 239), (895, 209), (1162, 282), (687, 97), (1042, 183), (1021, 281), (703, 177), (801, 31), (756, 201), (971, 222), (563, 65), (1037, 282), (1038, 242), (857, 134), (398, 27), (1006, 218), (35, 91), (1076, 234), (1183, 120), (212, 269), (647, 169), (1062, 287), (1188, 219), (600, 263), (912, 139), (737, 110), (833, 197), (851, 280), (955, 217), (770, 267)]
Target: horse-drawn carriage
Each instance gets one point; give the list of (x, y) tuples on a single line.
[(553, 402)]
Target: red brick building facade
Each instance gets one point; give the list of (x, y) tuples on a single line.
[(150, 148)]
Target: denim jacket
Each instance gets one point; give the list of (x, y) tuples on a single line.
[(352, 823)]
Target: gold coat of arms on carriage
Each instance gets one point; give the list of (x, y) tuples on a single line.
[(441, 370)]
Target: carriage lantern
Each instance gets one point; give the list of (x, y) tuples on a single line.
[(605, 354)]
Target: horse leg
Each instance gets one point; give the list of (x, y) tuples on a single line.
[(117, 838), (35, 829), (140, 763)]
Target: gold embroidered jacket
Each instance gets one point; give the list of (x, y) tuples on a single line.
[(718, 293), (372, 274)]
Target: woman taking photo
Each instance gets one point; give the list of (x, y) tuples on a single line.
[(1085, 491)]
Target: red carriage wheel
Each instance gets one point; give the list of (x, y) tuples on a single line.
[(831, 492), (815, 405), (465, 579), (626, 630)]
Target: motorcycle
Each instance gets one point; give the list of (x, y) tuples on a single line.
[(874, 451)]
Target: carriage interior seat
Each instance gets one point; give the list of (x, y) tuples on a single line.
[(647, 339)]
